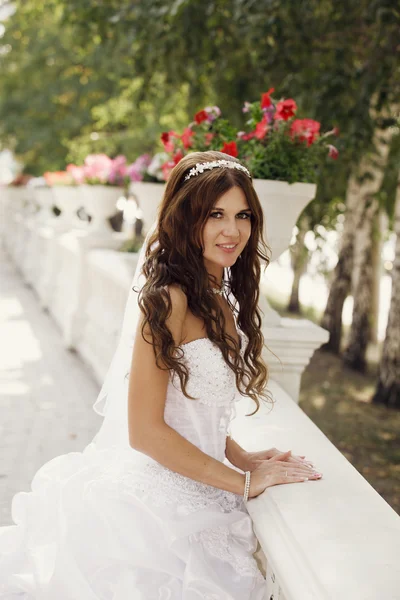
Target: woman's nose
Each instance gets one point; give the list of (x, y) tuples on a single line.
[(231, 229)]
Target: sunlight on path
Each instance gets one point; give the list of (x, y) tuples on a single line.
[(46, 392)]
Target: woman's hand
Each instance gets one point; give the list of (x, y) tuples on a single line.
[(251, 460), (277, 470)]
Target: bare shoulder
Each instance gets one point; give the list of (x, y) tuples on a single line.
[(178, 297)]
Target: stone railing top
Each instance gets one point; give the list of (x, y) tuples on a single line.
[(118, 266), (326, 539)]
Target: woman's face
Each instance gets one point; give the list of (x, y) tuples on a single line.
[(229, 224)]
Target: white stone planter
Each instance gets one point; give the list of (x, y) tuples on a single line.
[(45, 199), (282, 204), (15, 197), (148, 196), (69, 200), (100, 203)]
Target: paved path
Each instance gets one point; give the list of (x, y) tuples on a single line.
[(46, 392)]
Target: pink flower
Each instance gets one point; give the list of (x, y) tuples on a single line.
[(246, 107), (76, 172), (208, 138), (119, 171), (135, 170), (98, 167), (213, 112)]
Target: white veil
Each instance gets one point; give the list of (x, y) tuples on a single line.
[(112, 401)]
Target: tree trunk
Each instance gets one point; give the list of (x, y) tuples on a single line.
[(388, 387), (341, 281), (354, 355), (376, 263), (362, 186), (299, 260), (377, 272), (367, 232)]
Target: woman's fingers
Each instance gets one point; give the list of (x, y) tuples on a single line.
[(297, 469)]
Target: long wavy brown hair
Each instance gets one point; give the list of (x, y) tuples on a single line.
[(174, 255)]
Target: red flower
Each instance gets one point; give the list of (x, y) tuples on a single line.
[(285, 109), (333, 152), (261, 128), (336, 131), (166, 138), (177, 157), (246, 136), (186, 137), (230, 148), (265, 98), (170, 164), (201, 116), (306, 130)]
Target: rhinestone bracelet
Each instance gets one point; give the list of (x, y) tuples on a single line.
[(246, 486)]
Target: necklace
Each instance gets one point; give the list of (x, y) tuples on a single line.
[(220, 291), (217, 291)]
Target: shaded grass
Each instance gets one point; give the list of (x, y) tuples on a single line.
[(338, 400)]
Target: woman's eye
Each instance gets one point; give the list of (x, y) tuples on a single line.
[(240, 215)]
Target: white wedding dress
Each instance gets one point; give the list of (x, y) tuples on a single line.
[(113, 524)]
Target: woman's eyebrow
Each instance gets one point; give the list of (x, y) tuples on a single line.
[(242, 210)]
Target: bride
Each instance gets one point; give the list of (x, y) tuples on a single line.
[(154, 508)]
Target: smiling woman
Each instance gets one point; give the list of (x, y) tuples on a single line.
[(200, 214), (228, 229), (150, 509)]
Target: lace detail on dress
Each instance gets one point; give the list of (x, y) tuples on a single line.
[(220, 543), (163, 487)]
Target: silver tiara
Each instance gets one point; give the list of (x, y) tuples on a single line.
[(200, 167)]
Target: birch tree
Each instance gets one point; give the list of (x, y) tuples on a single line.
[(366, 230), (388, 386)]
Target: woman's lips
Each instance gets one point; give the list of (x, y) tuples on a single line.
[(228, 250)]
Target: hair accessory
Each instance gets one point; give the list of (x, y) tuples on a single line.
[(246, 486), (230, 164)]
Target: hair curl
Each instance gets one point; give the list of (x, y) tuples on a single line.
[(175, 257)]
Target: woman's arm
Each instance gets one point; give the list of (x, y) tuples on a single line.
[(236, 455), (148, 432)]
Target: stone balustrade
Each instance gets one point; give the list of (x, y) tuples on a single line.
[(331, 539)]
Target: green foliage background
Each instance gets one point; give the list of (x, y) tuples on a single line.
[(79, 77)]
